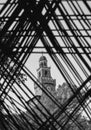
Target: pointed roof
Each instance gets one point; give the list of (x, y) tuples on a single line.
[(42, 58)]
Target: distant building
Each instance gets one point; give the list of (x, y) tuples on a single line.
[(48, 83), (44, 77)]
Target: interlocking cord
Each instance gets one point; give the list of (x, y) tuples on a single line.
[(64, 29)]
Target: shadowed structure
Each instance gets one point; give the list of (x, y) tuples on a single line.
[(64, 29)]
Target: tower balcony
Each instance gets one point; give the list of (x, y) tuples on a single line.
[(46, 80)]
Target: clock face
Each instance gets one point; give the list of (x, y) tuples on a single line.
[(48, 88)]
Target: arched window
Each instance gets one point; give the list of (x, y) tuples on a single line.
[(46, 73)]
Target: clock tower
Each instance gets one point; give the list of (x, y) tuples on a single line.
[(44, 77)]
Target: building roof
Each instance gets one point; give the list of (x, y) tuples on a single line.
[(42, 58)]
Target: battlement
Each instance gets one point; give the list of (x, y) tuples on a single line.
[(51, 81)]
